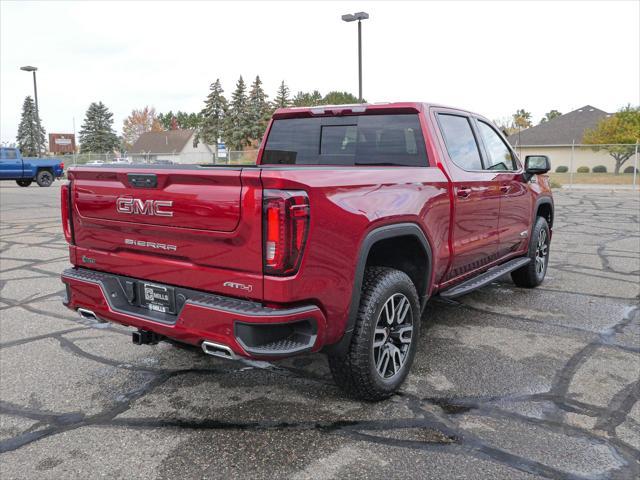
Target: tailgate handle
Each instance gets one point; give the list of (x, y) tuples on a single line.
[(143, 180)]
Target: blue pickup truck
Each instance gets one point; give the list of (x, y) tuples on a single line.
[(25, 170)]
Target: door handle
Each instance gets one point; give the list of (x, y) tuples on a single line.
[(463, 192), (505, 188)]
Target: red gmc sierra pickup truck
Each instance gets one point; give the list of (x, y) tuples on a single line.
[(352, 218)]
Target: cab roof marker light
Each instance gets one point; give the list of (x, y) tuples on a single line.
[(317, 111)]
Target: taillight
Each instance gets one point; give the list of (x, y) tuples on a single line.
[(286, 224), (62, 165), (65, 207)]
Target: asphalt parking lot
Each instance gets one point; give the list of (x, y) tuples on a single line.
[(508, 383)]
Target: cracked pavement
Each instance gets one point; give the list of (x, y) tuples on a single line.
[(507, 383)]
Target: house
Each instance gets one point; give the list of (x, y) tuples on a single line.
[(176, 146), (561, 140)]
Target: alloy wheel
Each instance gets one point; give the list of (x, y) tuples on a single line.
[(46, 178), (542, 250), (393, 336)]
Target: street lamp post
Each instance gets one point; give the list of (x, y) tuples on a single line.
[(351, 17), (35, 85), (29, 68)]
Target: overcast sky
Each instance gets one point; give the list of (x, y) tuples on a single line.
[(489, 57)]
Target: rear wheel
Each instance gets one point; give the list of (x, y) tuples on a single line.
[(532, 274), (44, 178), (384, 339), (24, 183)]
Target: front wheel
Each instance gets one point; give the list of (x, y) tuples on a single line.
[(24, 183), (384, 339), (532, 274), (44, 178)]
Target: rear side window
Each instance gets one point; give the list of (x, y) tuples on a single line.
[(461, 143), (500, 157), (348, 140)]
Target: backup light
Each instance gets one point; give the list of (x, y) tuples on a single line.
[(286, 225)]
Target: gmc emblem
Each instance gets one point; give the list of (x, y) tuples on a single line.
[(135, 206)]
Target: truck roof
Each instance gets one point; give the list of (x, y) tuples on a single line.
[(390, 107)]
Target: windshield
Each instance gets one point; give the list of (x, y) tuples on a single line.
[(348, 140)]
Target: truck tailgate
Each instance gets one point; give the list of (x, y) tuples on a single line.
[(174, 225)]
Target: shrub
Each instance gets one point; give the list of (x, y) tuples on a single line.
[(629, 169), (583, 170), (599, 169), (555, 184), (562, 169)]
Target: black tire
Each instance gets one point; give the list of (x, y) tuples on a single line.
[(44, 178), (356, 372), (533, 274), (24, 183)]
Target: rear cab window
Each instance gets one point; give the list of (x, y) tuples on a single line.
[(460, 141), (394, 140), (9, 153)]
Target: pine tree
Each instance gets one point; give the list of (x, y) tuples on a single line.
[(179, 120), (282, 97), (97, 135), (259, 111), (340, 98), (30, 131), (213, 115), (306, 99), (188, 120), (237, 126)]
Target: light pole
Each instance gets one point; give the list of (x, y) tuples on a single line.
[(35, 85), (29, 68), (351, 17)]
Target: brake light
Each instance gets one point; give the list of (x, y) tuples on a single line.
[(62, 165), (65, 206), (286, 225)]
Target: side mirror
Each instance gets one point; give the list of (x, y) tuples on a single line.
[(535, 165)]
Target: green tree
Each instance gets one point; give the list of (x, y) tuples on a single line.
[(97, 135), (550, 115), (237, 124), (522, 119), (179, 120), (259, 110), (282, 99), (213, 114), (619, 129), (30, 136), (340, 98), (166, 119), (306, 99), (188, 121)]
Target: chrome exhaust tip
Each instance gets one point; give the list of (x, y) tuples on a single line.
[(218, 350), (88, 314)]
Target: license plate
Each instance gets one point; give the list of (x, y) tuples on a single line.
[(158, 298)]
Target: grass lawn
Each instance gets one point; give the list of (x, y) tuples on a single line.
[(594, 178)]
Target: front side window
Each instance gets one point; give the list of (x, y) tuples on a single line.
[(499, 155), (460, 141), (10, 154), (349, 140)]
